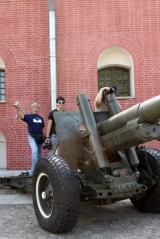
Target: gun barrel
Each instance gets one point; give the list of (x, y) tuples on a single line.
[(147, 111), (130, 135)]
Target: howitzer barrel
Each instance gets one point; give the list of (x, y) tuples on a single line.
[(147, 111), (130, 135)]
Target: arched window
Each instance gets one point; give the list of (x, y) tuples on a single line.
[(2, 81), (115, 68)]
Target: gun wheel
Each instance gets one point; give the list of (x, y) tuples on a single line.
[(55, 193), (149, 160)]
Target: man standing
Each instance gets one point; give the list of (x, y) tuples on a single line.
[(51, 131), (100, 102), (36, 132)]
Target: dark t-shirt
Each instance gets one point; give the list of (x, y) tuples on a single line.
[(35, 123), (51, 117)]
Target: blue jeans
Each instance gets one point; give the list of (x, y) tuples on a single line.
[(36, 151), (55, 143)]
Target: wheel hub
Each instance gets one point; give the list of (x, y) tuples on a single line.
[(44, 195)]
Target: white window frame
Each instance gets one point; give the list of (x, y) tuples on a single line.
[(2, 67), (117, 56)]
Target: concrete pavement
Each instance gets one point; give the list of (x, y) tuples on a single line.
[(118, 221)]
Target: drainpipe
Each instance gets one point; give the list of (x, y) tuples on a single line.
[(52, 44)]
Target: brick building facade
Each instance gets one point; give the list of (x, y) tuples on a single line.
[(90, 36)]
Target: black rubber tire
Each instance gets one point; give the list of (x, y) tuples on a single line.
[(55, 193), (150, 201)]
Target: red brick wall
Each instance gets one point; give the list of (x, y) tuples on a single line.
[(25, 51), (84, 29)]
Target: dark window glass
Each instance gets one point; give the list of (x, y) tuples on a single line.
[(2, 85), (115, 76)]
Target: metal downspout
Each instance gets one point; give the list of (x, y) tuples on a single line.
[(52, 45)]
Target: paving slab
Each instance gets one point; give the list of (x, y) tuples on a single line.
[(15, 199), (11, 173)]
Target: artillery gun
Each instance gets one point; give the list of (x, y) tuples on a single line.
[(100, 158)]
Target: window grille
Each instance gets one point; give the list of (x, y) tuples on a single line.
[(2, 85), (115, 76)]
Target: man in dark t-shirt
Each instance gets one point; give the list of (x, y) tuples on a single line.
[(35, 123), (51, 131), (36, 132)]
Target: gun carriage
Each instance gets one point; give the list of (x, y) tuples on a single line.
[(100, 158)]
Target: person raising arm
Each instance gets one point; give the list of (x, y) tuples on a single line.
[(36, 132)]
